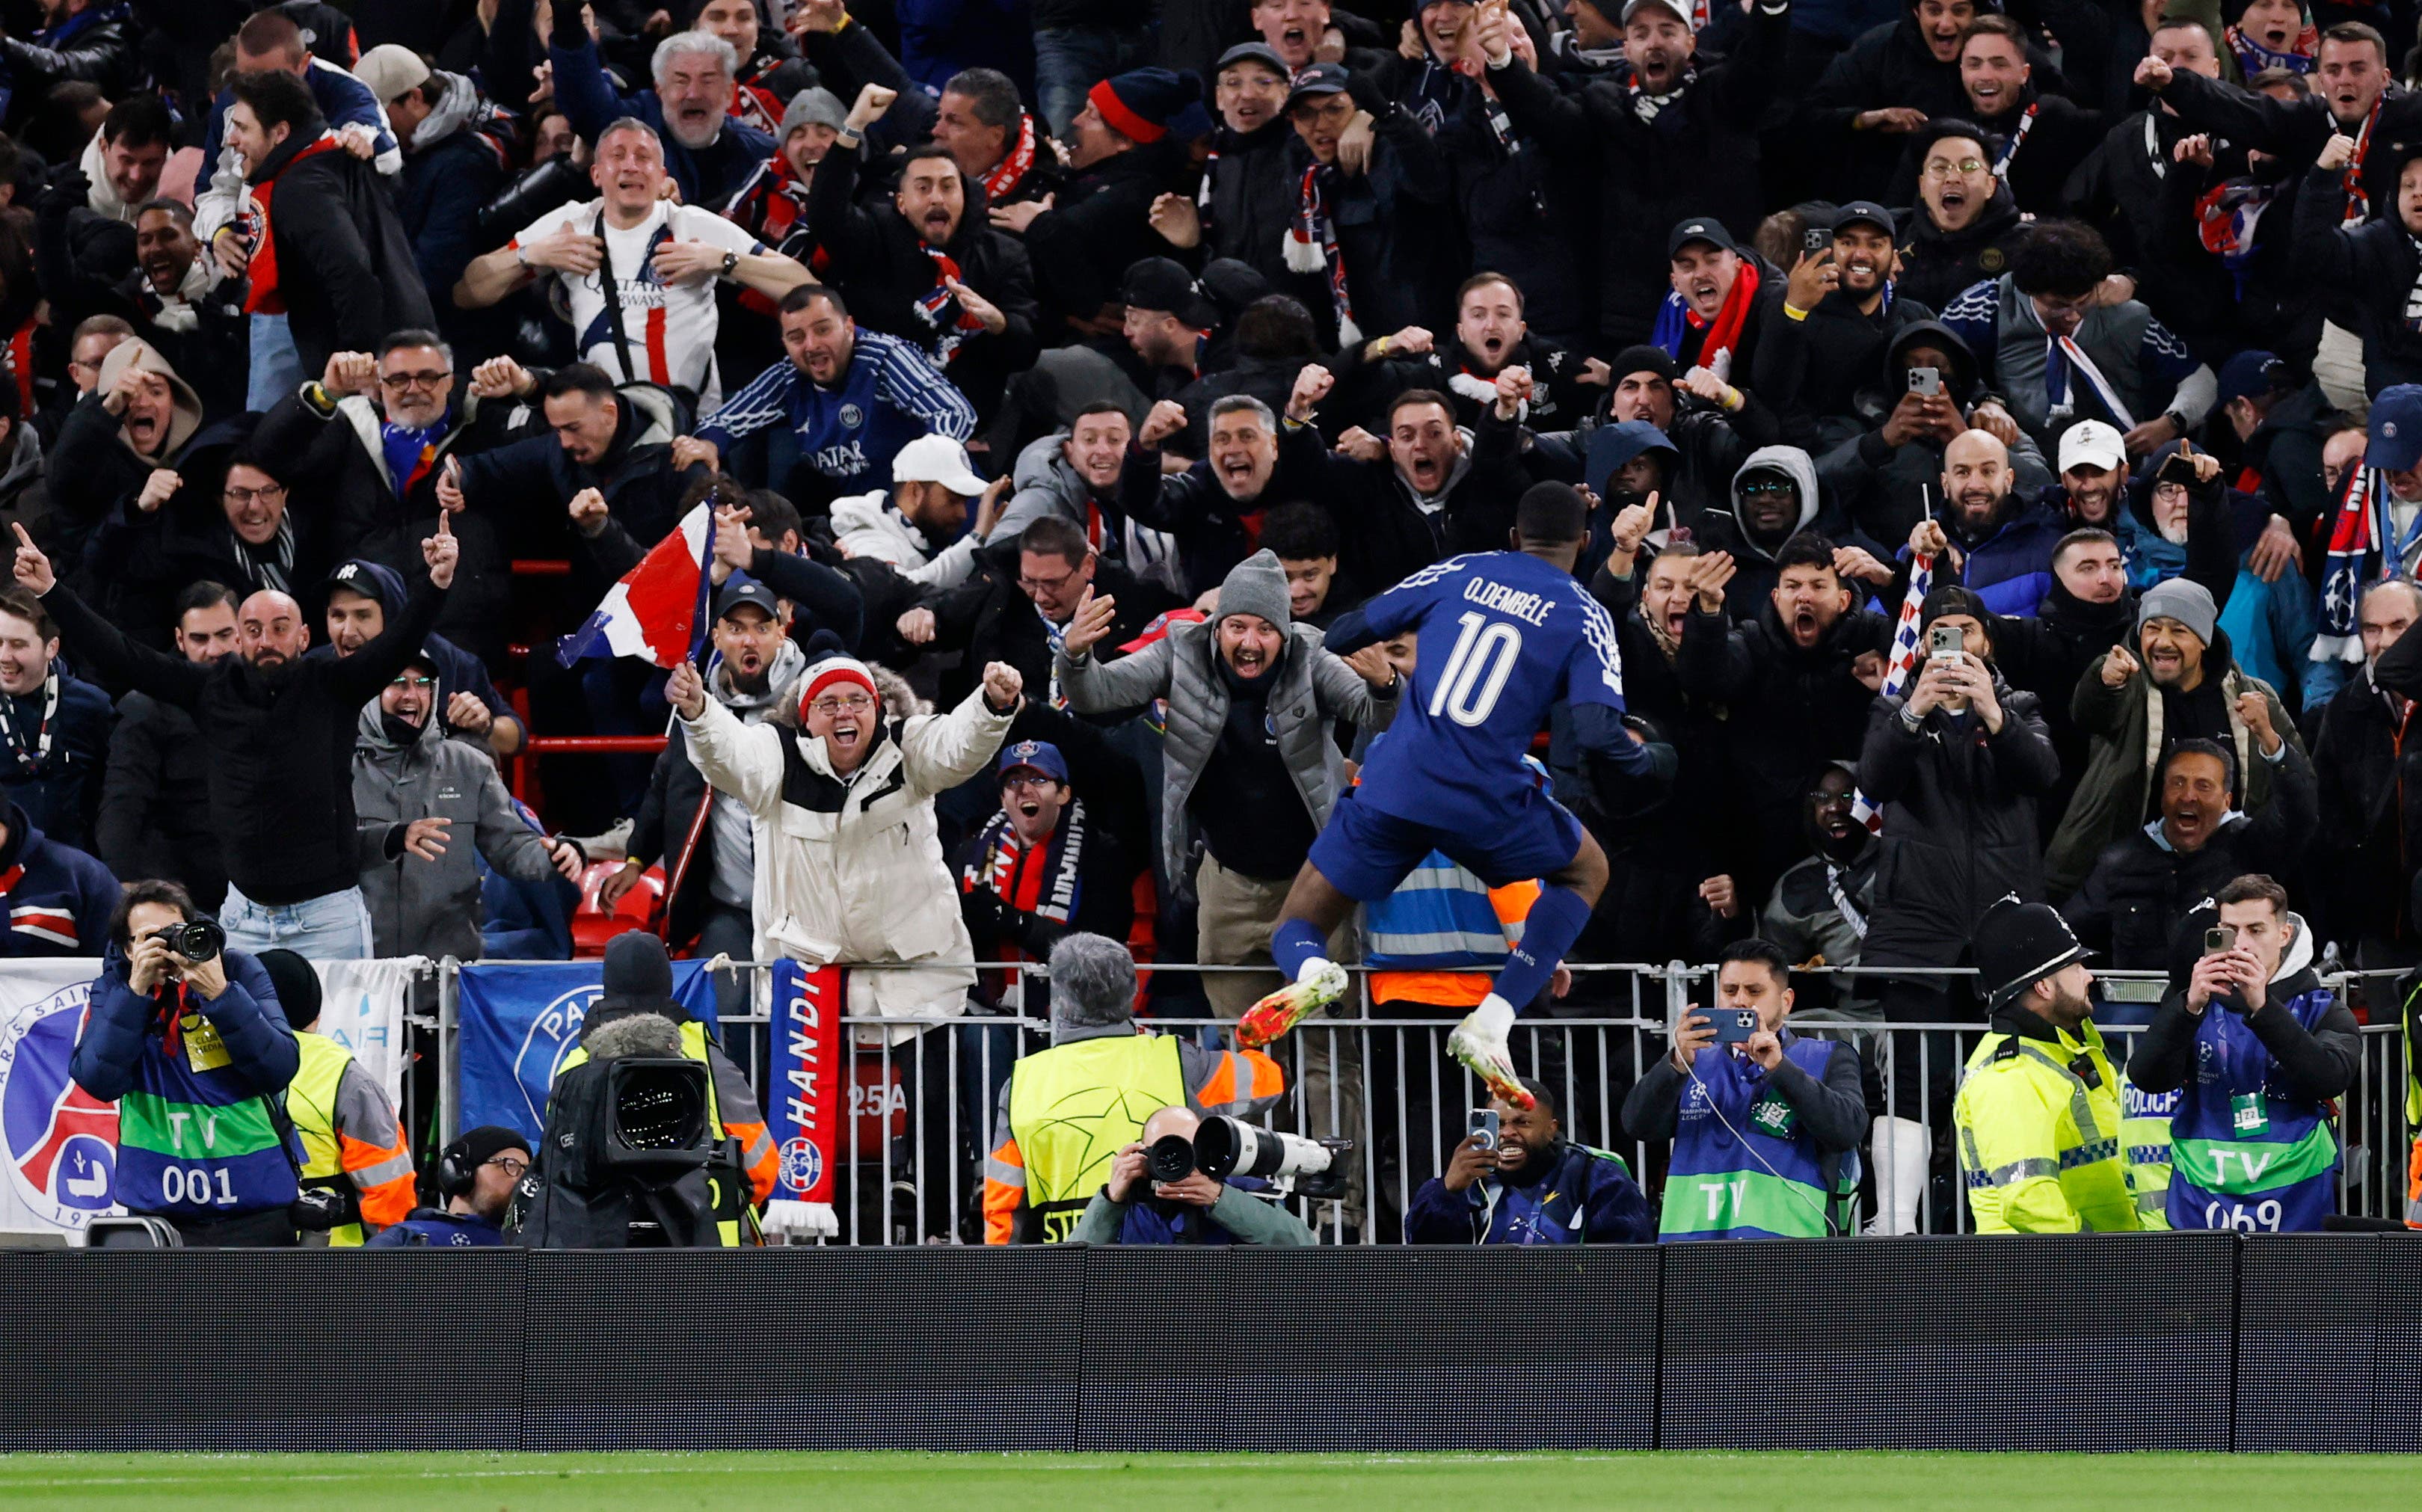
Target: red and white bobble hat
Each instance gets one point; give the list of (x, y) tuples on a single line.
[(830, 672)]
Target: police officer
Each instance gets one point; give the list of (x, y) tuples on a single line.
[(2255, 1049), (1066, 1112), (2037, 1114)]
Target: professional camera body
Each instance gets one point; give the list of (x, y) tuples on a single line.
[(1224, 1146), (197, 939), (628, 1159)]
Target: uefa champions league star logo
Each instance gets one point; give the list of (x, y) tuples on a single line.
[(552, 1035), (62, 1141), (802, 1163)]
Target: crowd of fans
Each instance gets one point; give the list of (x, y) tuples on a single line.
[(1068, 366)]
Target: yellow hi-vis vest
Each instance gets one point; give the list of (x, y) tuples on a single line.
[(311, 1103), (1073, 1107), (2038, 1125), (694, 1043)]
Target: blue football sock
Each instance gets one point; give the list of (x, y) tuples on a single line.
[(1294, 943), (1549, 930)]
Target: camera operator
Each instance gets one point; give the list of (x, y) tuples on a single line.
[(476, 1177), (1199, 1208), (1759, 1126), (196, 1030), (1534, 1186), (1066, 1112), (2251, 1146)]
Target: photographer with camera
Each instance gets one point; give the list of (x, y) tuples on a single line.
[(476, 1177), (188, 1038), (2257, 1048), (1760, 1117), (1068, 1112), (1516, 1179), (1161, 1192)]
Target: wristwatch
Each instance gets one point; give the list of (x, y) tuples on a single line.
[(730, 260)]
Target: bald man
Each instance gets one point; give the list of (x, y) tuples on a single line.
[(1987, 539), (279, 732)]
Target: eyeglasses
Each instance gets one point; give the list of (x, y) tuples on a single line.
[(512, 1165), (417, 683), (1769, 485), (1944, 169), (1029, 779), (402, 381), (849, 703), (266, 493), (2169, 491), (1046, 585)]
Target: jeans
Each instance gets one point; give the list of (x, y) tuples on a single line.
[(333, 926), (727, 931), (1070, 61), (276, 366)]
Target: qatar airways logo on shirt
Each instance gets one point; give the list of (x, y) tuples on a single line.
[(1532, 607)]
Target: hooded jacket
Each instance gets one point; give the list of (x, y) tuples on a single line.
[(1885, 490), (419, 906), (458, 670), (450, 171), (2125, 726), (94, 465), (869, 525), (1753, 558), (1960, 823), (345, 267)]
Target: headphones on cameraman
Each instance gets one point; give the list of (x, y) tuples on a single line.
[(454, 1177)]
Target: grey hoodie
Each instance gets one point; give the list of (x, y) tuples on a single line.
[(1802, 471), (423, 908)]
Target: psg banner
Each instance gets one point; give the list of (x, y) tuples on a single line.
[(804, 1093), (520, 1019), (61, 1143)]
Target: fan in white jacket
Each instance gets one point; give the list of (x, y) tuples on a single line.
[(916, 530), (849, 864)]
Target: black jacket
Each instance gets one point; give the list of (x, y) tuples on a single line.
[(1384, 534), (155, 807), (1098, 225), (101, 51), (1959, 824), (2063, 135), (2367, 843), (345, 267), (1811, 370), (1792, 711), (1388, 222), (1935, 264), (63, 797), (1253, 193), (525, 486), (2313, 1067), (1891, 65), (2125, 187), (2374, 267), (2140, 891), (1698, 157), (280, 741), (886, 267), (990, 618)]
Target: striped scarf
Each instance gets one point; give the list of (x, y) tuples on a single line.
[(1311, 246), (2358, 534), (2253, 58), (1040, 880), (942, 312), (1675, 317)]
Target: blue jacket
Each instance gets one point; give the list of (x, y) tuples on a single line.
[(194, 1141), (708, 176), (63, 797), (1574, 1195), (2011, 568), (60, 901), (430, 1228), (891, 394)]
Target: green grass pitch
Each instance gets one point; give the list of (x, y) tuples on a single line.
[(1249, 1483)]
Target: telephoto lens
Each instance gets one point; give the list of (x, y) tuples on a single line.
[(1170, 1157)]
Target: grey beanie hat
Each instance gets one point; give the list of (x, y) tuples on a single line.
[(818, 105), (2189, 604), (1257, 585)]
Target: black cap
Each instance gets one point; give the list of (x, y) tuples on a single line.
[(474, 1147), (297, 984), (1699, 228), (1262, 53), (739, 589), (1159, 283), (1318, 79), (1868, 212), (2019, 944), (638, 974)]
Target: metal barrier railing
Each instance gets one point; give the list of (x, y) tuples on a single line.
[(919, 1112)]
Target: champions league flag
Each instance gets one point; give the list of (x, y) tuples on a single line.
[(1904, 660), (803, 1095), (657, 612)]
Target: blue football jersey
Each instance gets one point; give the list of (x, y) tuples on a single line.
[(1503, 637)]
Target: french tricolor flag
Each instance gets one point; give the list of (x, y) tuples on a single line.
[(657, 612)]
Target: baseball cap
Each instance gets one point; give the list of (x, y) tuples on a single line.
[(388, 70), (1040, 755), (2396, 444), (2250, 375), (1161, 283), (1262, 53), (1867, 212), (741, 588), (936, 459), (2092, 444), (1319, 79), (1698, 227)]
